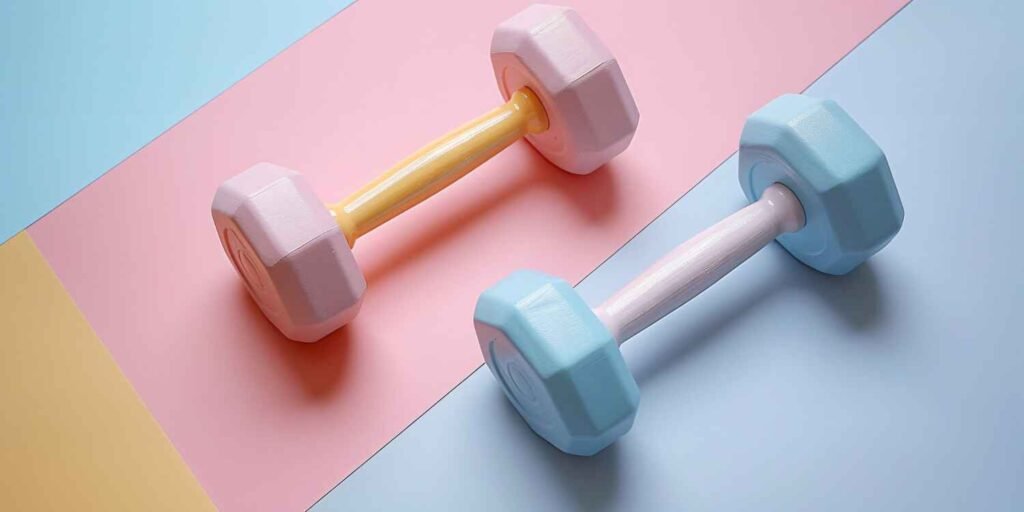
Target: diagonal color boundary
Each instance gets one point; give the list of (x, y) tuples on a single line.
[(112, 454), (610, 256), (220, 452), (68, 118)]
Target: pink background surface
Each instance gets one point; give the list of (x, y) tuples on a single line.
[(268, 424)]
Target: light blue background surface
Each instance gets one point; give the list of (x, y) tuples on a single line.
[(899, 387), (85, 84)]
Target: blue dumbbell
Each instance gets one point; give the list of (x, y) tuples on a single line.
[(819, 186)]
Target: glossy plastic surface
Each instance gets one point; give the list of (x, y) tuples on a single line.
[(268, 425), (291, 255), (700, 262), (552, 51), (556, 362), (439, 164), (545, 58), (854, 212), (840, 175)]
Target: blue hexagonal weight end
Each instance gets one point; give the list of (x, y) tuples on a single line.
[(839, 174), (557, 363)]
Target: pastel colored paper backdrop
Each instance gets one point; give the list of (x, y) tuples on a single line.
[(74, 434), (84, 84), (895, 388), (267, 424)]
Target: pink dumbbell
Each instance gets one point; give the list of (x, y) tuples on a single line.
[(565, 94)]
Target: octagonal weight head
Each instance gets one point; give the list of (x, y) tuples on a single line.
[(591, 112), (839, 174), (289, 251), (557, 363)]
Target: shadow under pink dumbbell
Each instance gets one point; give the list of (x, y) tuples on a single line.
[(564, 93)]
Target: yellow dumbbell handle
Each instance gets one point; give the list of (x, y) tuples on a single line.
[(439, 164)]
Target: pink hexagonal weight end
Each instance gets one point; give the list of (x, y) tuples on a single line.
[(552, 51), (289, 251)]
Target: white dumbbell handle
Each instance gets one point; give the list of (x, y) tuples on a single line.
[(700, 262)]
